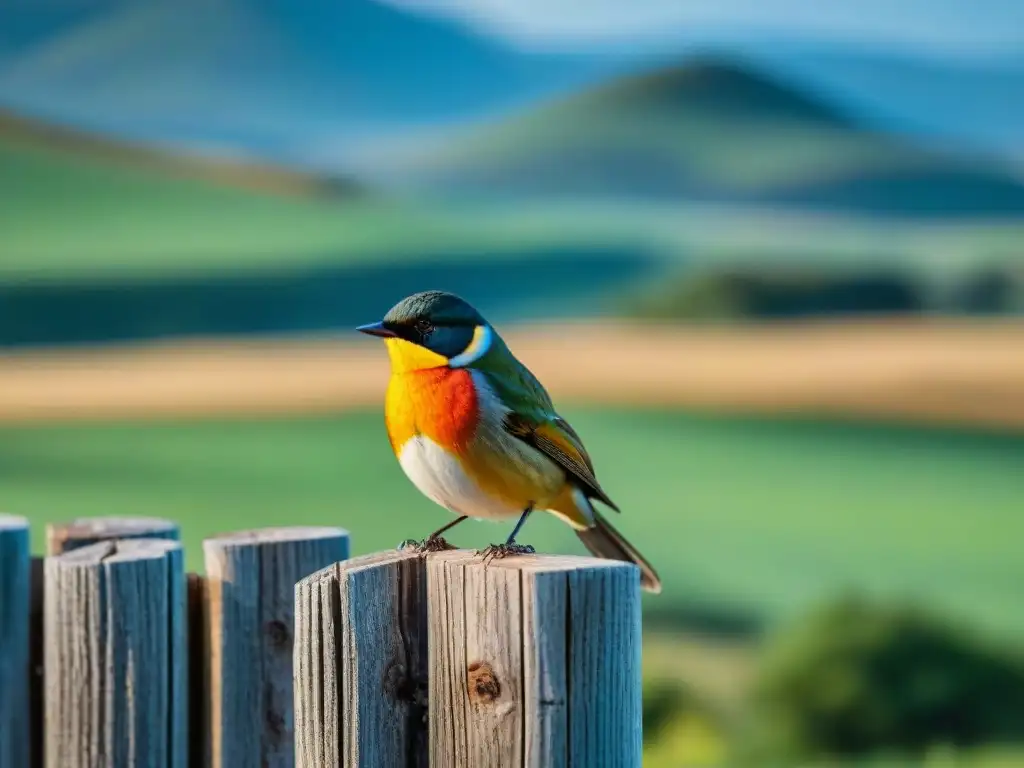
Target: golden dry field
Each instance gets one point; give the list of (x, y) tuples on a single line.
[(954, 372)]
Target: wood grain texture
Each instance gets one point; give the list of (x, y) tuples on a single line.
[(14, 642), (545, 604), (249, 618), (603, 681), (361, 664), (534, 661), (64, 537), (115, 657)]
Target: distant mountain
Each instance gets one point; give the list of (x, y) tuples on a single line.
[(708, 130), (713, 86), (265, 75), (977, 105)]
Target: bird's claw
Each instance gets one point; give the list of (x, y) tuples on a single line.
[(431, 544), (436, 544), (499, 551)]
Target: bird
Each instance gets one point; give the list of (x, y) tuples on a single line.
[(476, 432)]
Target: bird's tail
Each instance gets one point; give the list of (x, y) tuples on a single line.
[(602, 540)]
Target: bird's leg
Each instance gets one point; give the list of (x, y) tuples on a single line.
[(511, 540), (435, 542), (510, 547)]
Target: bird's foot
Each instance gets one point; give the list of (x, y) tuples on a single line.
[(499, 551), (436, 544), (430, 544)]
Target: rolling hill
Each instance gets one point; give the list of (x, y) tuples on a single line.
[(710, 130), (77, 205), (24, 134)]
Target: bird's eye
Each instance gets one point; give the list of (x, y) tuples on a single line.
[(425, 328)]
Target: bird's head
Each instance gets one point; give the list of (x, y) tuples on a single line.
[(433, 329)]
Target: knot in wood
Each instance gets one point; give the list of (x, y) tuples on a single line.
[(277, 633), (276, 725), (395, 682), (484, 687)]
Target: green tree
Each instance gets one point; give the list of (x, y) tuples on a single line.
[(856, 678)]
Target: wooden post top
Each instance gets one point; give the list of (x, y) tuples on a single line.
[(272, 535), (62, 537), (117, 551), (360, 563), (537, 563)]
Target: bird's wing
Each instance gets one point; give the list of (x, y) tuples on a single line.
[(533, 420), (516, 386), (556, 439)]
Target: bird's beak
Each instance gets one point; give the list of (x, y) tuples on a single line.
[(377, 329)]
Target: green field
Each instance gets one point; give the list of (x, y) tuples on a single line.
[(69, 216), (749, 521), (72, 216)]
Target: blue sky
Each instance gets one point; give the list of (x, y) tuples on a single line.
[(967, 28)]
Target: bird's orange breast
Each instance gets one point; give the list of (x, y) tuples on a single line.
[(439, 403)]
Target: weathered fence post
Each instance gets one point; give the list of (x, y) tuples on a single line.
[(529, 661), (361, 664), (115, 656), (14, 642), (534, 661), (249, 612), (64, 537)]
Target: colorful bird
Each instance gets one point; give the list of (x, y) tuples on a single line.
[(477, 433)]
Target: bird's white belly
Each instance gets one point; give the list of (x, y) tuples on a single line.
[(439, 476)]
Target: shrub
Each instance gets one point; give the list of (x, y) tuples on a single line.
[(856, 678), (663, 702), (993, 291), (767, 292), (667, 700)]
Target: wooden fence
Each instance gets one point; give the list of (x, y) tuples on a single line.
[(288, 653)]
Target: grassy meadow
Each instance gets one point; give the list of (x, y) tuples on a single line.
[(120, 220), (925, 513)]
